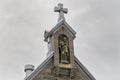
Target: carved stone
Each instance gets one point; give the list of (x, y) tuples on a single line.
[(72, 74), (57, 71), (64, 49), (61, 64)]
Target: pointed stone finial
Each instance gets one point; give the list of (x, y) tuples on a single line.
[(61, 11), (28, 69)]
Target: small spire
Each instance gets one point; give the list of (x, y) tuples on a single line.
[(61, 11)]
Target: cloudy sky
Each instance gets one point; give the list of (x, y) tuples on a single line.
[(97, 45)]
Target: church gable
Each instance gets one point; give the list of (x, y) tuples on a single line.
[(46, 73), (61, 63), (82, 72), (66, 28), (61, 24)]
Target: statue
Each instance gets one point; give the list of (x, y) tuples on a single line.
[(64, 49)]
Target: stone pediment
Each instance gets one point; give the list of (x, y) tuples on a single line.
[(61, 64), (44, 71), (61, 23)]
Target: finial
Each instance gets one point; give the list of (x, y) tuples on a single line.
[(61, 11), (28, 69)]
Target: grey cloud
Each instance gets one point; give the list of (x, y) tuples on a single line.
[(22, 25)]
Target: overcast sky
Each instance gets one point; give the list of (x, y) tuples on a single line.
[(22, 26)]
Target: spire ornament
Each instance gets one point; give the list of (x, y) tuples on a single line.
[(61, 11)]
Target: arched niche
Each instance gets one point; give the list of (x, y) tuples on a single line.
[(64, 52)]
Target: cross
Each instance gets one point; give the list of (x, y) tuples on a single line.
[(61, 11)]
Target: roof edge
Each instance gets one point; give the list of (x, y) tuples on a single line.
[(39, 68), (49, 59), (85, 70), (56, 27)]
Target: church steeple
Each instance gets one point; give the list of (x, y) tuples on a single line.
[(61, 63), (60, 41), (62, 24), (61, 11), (49, 35)]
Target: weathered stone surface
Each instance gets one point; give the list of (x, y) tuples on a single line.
[(53, 68), (56, 73)]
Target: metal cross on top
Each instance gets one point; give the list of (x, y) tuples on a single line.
[(61, 11)]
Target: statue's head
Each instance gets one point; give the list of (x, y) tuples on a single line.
[(65, 39)]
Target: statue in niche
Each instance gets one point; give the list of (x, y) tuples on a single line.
[(64, 49)]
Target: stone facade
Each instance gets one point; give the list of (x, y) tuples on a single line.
[(56, 67), (55, 46), (52, 69), (49, 73)]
